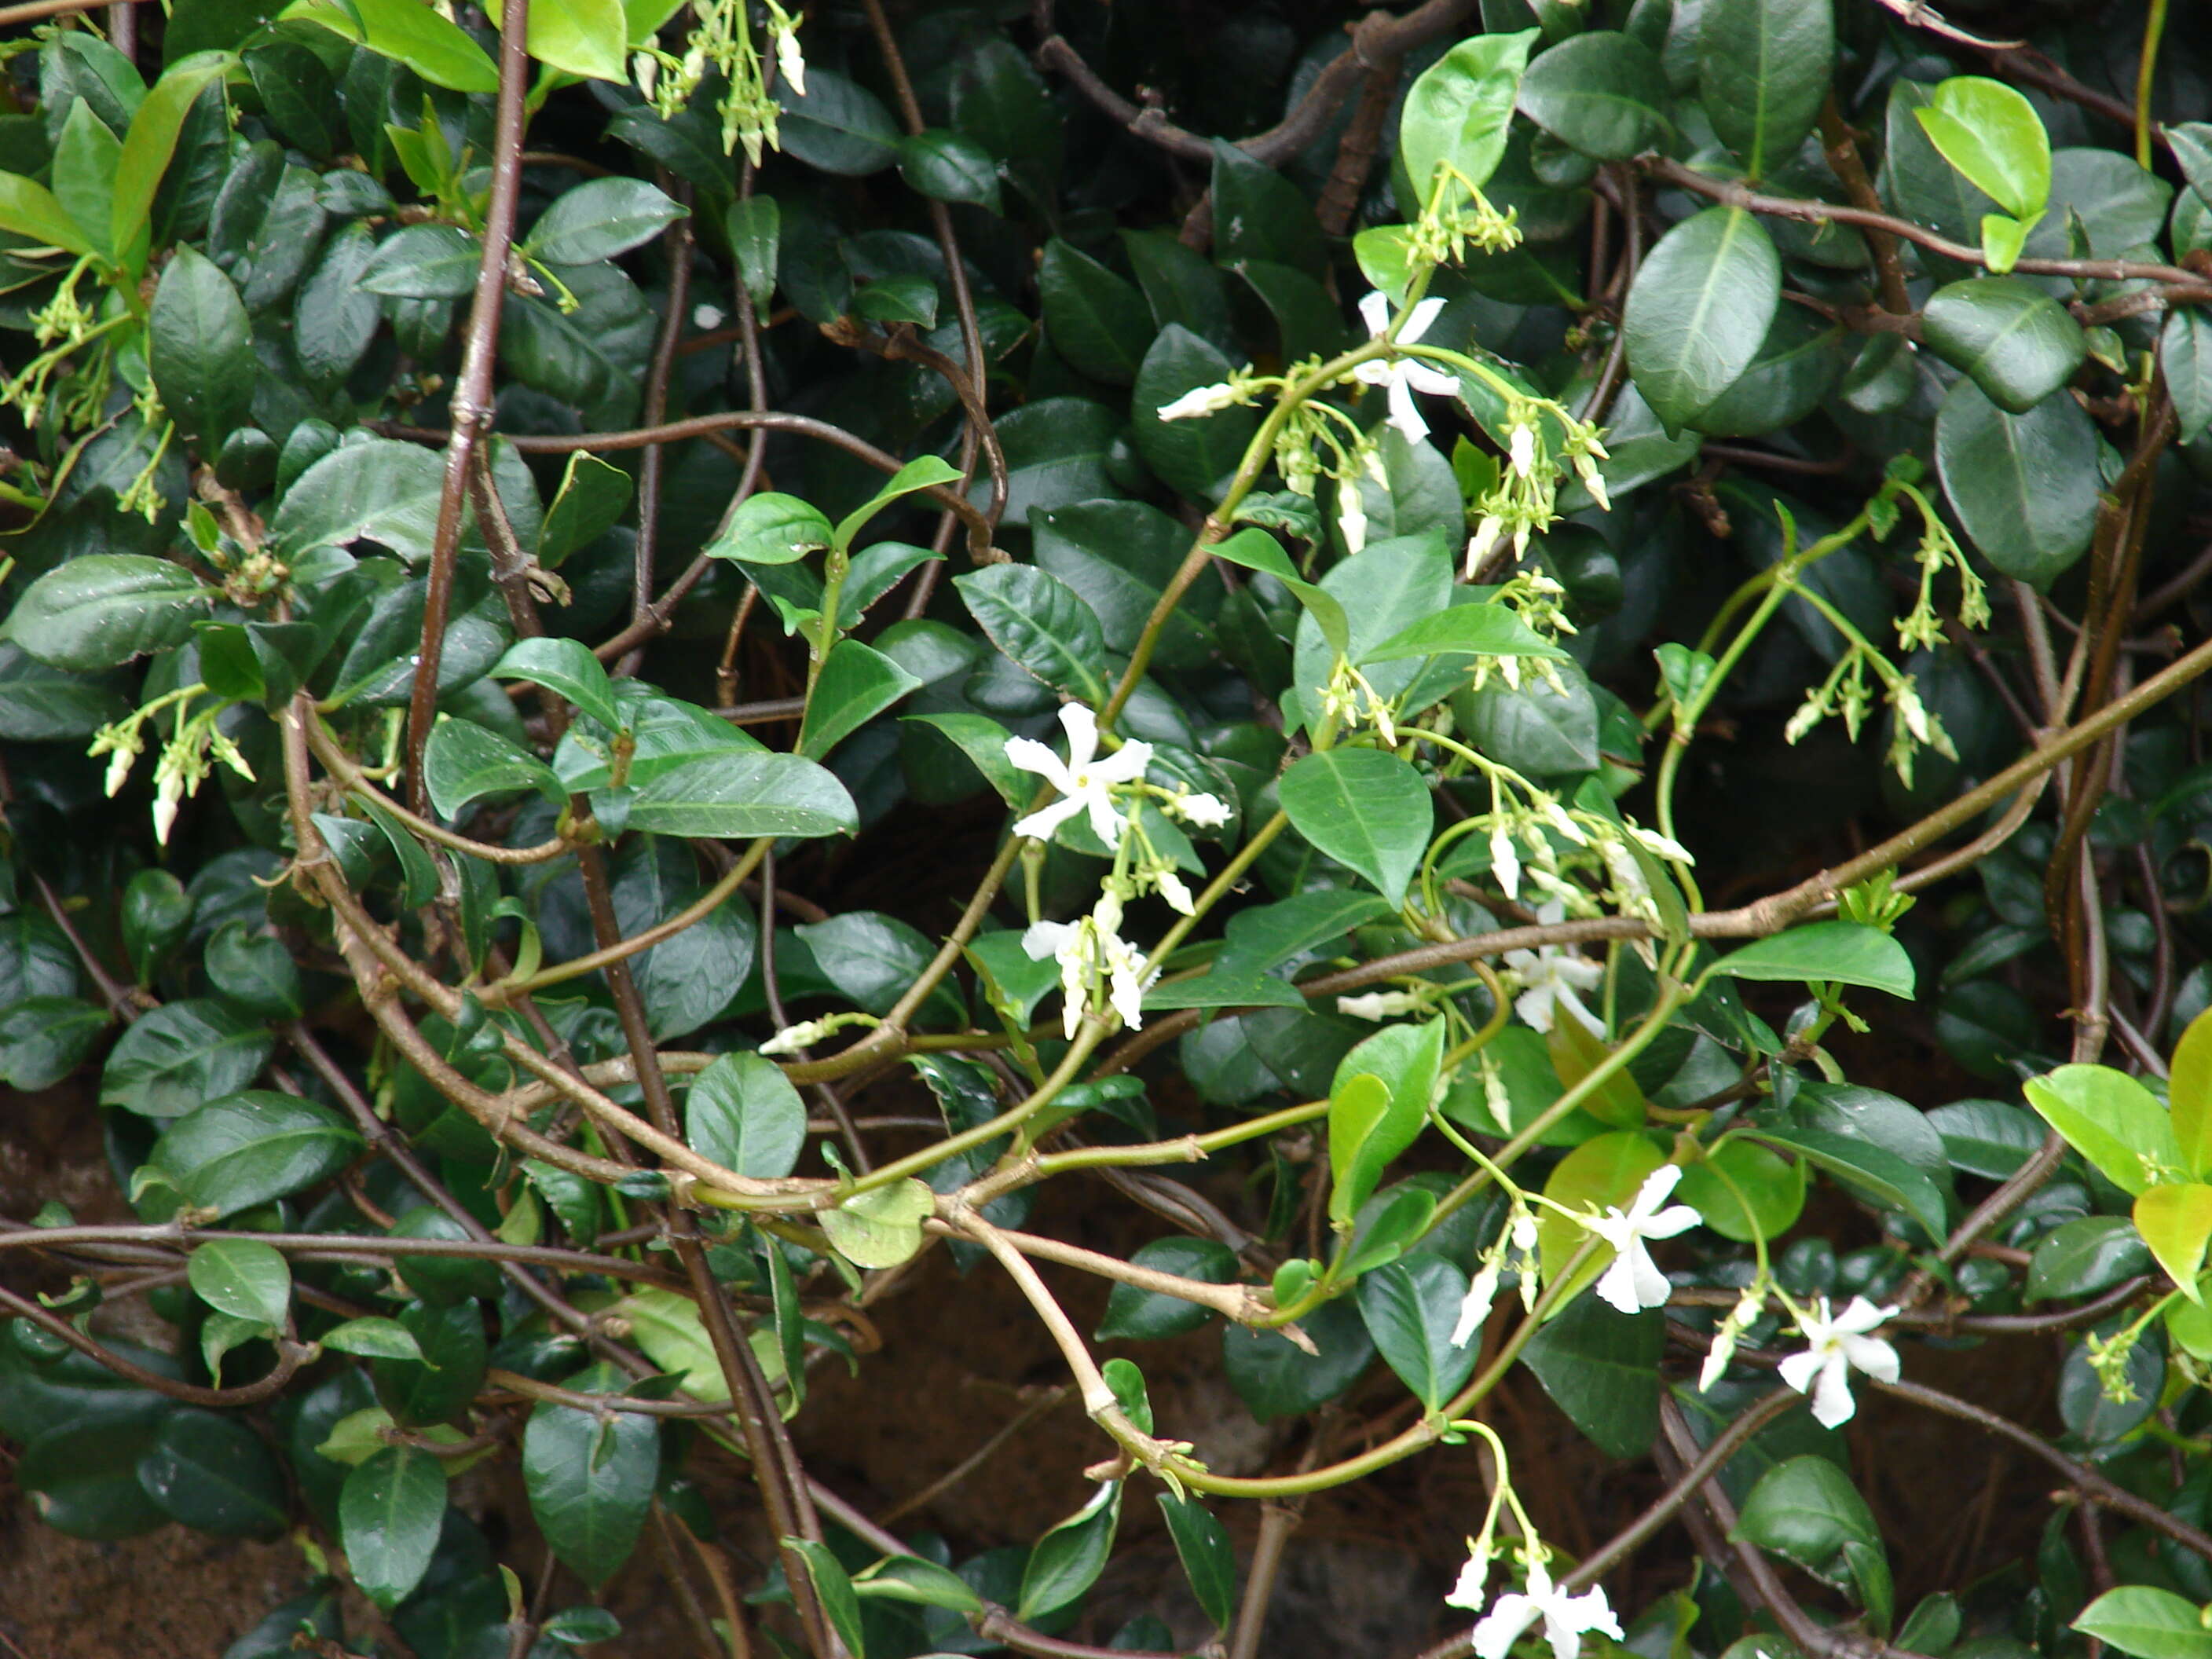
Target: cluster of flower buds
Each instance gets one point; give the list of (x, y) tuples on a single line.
[(187, 757), (722, 39)]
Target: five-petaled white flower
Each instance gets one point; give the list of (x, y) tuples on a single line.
[(1473, 1311), (1085, 781), (1566, 1618), (1200, 400), (1840, 1346), (1407, 375), (1550, 976), (1087, 950), (1634, 1282)]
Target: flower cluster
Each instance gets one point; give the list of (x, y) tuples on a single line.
[(722, 39), (1099, 970), (1525, 499), (187, 757), (1565, 1617), (1846, 695)]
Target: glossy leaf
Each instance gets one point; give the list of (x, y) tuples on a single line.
[(238, 1276), (568, 667), (427, 42), (2084, 1255), (2018, 344), (463, 761), (2148, 1622), (1602, 1367), (742, 1113), (1364, 808), (2113, 1122), (201, 351), (882, 1227), (1041, 625), (1763, 68), (590, 1477), (584, 37), (105, 608), (2176, 1221), (1147, 1316), (1098, 321), (1067, 1560), (1837, 952), (389, 1514), (1457, 111), (215, 1475), (232, 1153), (181, 1054), (600, 218), (740, 796), (1597, 93), (1209, 1561), (1699, 310), (2188, 1093), (1991, 134), (1410, 1307)]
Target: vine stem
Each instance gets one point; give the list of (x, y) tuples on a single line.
[(472, 394)]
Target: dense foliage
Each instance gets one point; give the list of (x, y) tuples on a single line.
[(808, 621)]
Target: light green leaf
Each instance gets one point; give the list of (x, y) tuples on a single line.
[(2113, 1122), (1068, 1560), (2176, 1222), (2148, 1622), (882, 1227), (666, 1325), (924, 472), (152, 141), (373, 1339), (1469, 630), (2189, 1094), (856, 683), (983, 741), (1457, 112), (833, 1589), (583, 36), (1256, 550), (1992, 135), (771, 528), (465, 761), (28, 209), (1839, 952), (425, 40)]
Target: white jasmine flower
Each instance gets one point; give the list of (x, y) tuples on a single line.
[(1486, 536), (1521, 449), (1085, 783), (1550, 976), (1200, 400), (1085, 950), (790, 62), (1202, 812), (1379, 1005), (1467, 1591), (1505, 864), (1634, 1282), (1566, 1618), (1473, 1313), (1351, 515), (1839, 1346), (1407, 375), (1739, 1320), (1173, 890), (792, 1038)]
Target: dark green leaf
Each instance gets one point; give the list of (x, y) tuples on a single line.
[(381, 491), (1195, 455), (1763, 68), (2184, 355), (1881, 1176), (2018, 344), (233, 1153), (425, 262), (756, 229), (242, 1277), (591, 1477), (838, 127), (2084, 1255), (1410, 1307), (1699, 310), (1598, 94), (181, 1054), (215, 1475), (599, 219), (1146, 1315), (1208, 1561), (43, 1038), (463, 761), (740, 796), (949, 168), (1095, 321), (1068, 1560), (201, 349), (1258, 214), (105, 609), (1275, 1379), (255, 972), (2025, 486), (1807, 1510), (1041, 625), (1602, 1369), (389, 1514)]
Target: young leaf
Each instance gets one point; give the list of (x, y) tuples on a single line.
[(1839, 952), (586, 37), (151, 142), (833, 1589), (567, 666), (2146, 1622), (2176, 1222), (2189, 1091), (465, 761), (2113, 1122), (1068, 1560), (856, 683), (1991, 134), (1456, 113)]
